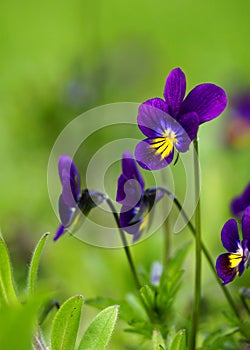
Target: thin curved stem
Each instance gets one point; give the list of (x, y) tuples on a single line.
[(204, 249), (125, 244)]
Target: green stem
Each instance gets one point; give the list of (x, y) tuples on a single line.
[(125, 244), (166, 233), (197, 287)]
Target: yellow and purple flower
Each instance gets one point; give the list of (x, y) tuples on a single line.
[(137, 203), (74, 203), (174, 122), (241, 202), (232, 264)]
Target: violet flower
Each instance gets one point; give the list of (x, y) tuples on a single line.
[(233, 263), (137, 203), (238, 125), (174, 122), (74, 204), (241, 202)]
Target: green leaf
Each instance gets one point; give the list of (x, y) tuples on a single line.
[(33, 269), (99, 332), (157, 342), (7, 291), (66, 323), (17, 325), (148, 296), (179, 341)]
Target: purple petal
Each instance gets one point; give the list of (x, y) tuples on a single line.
[(190, 122), (70, 180), (224, 271), (59, 232), (242, 267), (65, 211), (151, 115), (148, 159), (246, 224), (130, 183), (175, 90), (239, 203), (126, 216), (230, 236), (207, 100)]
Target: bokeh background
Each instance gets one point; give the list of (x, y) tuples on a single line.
[(61, 58)]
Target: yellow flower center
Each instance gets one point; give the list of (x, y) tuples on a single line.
[(164, 144)]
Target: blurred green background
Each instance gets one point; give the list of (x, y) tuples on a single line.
[(61, 58)]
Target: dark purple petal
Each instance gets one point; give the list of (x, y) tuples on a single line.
[(65, 211), (239, 203), (224, 271), (230, 236), (126, 216), (207, 100), (190, 122), (242, 267), (130, 183), (148, 159), (59, 232), (175, 90), (70, 180), (151, 116), (246, 224)]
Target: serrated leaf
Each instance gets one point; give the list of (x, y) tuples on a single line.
[(157, 342), (7, 291), (33, 269), (179, 341), (66, 323), (99, 332)]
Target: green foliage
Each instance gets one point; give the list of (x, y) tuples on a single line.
[(99, 332), (7, 291), (17, 325), (157, 342), (33, 269), (66, 323), (178, 342)]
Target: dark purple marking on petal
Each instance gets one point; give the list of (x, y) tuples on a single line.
[(148, 159), (230, 236), (207, 100), (246, 224), (59, 232), (151, 117), (174, 91), (224, 271), (70, 180), (239, 203), (190, 122)]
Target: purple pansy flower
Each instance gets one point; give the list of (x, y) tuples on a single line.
[(136, 201), (74, 204), (241, 202), (233, 263), (174, 122)]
